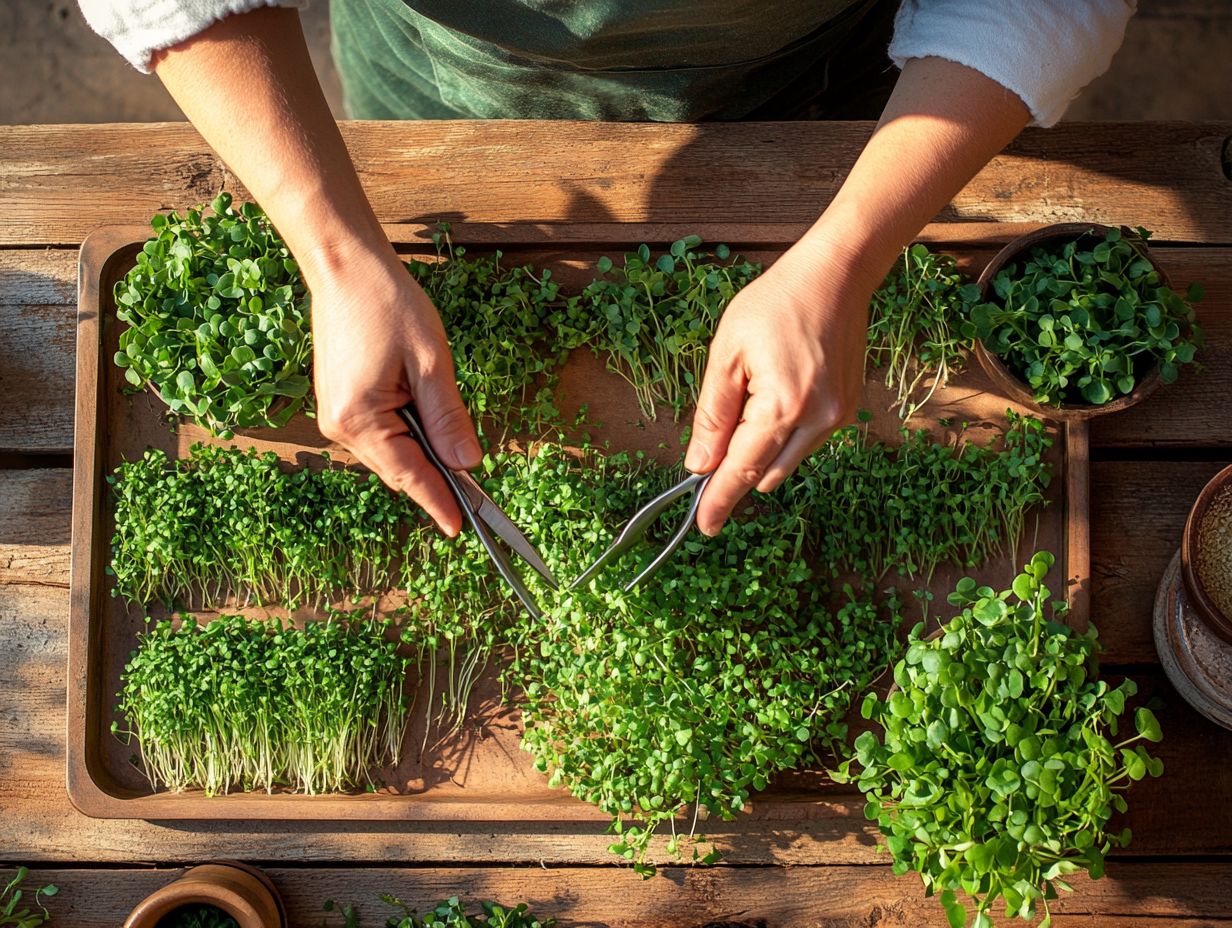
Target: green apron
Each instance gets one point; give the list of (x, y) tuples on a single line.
[(617, 60)]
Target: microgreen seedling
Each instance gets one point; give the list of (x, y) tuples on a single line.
[(15, 915), (453, 914)]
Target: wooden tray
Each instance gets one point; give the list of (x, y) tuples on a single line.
[(479, 775)]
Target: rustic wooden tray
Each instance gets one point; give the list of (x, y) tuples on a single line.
[(480, 774)]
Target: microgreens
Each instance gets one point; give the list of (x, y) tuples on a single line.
[(217, 319), (996, 771), (258, 704), (452, 914), (1085, 322), (913, 325), (197, 916), (10, 898), (654, 320)]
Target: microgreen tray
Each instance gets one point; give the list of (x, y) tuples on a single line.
[(478, 774)]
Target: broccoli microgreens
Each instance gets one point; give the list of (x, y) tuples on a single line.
[(913, 326), (452, 914), (1085, 322), (10, 898), (997, 768), (217, 319), (259, 704), (654, 319)]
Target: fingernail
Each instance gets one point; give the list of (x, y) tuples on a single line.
[(697, 458), (466, 453)]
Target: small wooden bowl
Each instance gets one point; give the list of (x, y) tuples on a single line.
[(1191, 553), (243, 892), (1007, 380)]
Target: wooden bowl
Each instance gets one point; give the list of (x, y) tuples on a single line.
[(1007, 380), (243, 892), (1192, 553)]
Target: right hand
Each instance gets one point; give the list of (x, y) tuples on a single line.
[(378, 344)]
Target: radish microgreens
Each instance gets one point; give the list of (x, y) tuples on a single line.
[(913, 326), (997, 768), (217, 320), (1084, 323), (654, 319), (259, 704)]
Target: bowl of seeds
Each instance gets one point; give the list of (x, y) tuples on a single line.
[(1206, 554)]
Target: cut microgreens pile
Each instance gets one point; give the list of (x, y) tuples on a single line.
[(998, 766), (224, 523), (654, 320), (913, 326), (217, 319), (873, 508), (257, 704), (1085, 322), (506, 328)]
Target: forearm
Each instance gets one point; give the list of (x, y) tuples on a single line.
[(943, 123), (248, 85)]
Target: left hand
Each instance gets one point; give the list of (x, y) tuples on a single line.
[(786, 368)]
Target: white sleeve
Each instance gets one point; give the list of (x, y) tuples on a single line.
[(1045, 51), (139, 28)]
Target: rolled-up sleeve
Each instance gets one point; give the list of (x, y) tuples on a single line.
[(139, 28), (1045, 51)]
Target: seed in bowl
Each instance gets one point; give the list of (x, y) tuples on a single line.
[(1214, 556)]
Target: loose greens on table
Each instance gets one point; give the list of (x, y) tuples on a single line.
[(217, 319), (914, 326), (11, 916), (452, 914), (999, 764), (258, 704), (1086, 321)]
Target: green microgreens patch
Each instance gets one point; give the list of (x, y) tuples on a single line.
[(197, 916), (24, 917), (258, 704), (218, 319), (913, 326), (505, 330), (1084, 323), (452, 914), (997, 770), (224, 523), (654, 319), (873, 508)]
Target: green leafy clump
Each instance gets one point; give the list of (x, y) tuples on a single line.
[(1084, 323), (452, 914), (654, 319), (15, 915), (224, 523), (258, 704), (914, 326), (218, 319), (873, 508), (505, 330), (197, 916), (997, 768)]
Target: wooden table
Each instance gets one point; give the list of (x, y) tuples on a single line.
[(57, 183)]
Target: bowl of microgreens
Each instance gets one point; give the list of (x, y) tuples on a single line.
[(997, 762), (1077, 320), (217, 320), (225, 894)]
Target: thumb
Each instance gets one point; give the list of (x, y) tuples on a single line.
[(446, 420), (719, 406)]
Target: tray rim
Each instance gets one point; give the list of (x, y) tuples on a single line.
[(90, 794)]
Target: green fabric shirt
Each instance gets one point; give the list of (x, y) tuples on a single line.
[(619, 60)]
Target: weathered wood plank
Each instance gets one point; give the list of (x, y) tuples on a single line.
[(63, 181), (38, 276), (37, 375), (834, 897), (1138, 512), (35, 508), (1169, 816)]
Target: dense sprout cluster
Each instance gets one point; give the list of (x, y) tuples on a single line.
[(217, 317), (451, 913), (259, 704), (997, 767)]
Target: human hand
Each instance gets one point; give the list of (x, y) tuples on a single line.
[(785, 369), (378, 344)]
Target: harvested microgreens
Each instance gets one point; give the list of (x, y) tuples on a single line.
[(997, 764), (453, 914), (914, 324), (15, 915)]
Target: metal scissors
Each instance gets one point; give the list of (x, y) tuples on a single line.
[(642, 520), (483, 514)]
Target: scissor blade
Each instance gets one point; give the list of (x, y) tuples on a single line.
[(509, 533)]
